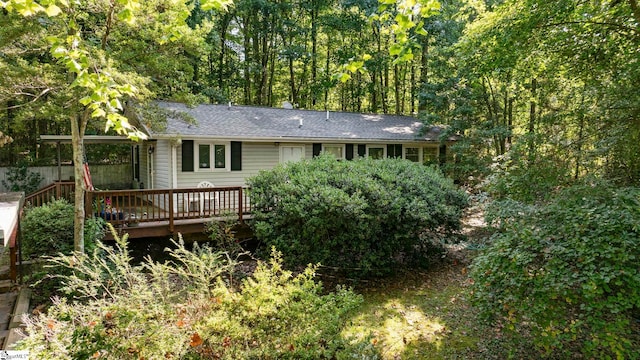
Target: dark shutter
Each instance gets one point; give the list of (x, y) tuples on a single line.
[(317, 148), (187, 155), (236, 156), (443, 154), (362, 150), (394, 150), (349, 152)]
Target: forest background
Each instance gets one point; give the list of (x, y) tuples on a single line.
[(530, 83)]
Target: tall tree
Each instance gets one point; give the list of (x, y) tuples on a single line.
[(93, 76)]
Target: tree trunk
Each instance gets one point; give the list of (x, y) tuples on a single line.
[(424, 64), (314, 53), (396, 82), (78, 126), (532, 117)]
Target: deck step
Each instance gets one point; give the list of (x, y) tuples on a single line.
[(21, 307), (5, 286), (12, 338)]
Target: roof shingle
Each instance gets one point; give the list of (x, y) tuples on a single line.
[(248, 122)]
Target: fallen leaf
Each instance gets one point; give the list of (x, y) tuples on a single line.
[(196, 340)]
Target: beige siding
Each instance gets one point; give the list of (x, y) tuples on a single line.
[(255, 157), (162, 165), (144, 165)]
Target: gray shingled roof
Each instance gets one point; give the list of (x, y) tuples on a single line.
[(248, 122)]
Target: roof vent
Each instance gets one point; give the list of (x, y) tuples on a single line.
[(287, 105), (327, 119), (300, 123), (229, 106)]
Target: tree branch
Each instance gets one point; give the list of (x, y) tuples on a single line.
[(35, 98)]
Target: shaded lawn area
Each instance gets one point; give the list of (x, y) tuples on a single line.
[(422, 315)]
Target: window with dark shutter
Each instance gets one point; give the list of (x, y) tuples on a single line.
[(443, 154), (187, 155), (349, 152), (236, 156), (394, 150), (362, 150), (317, 148)]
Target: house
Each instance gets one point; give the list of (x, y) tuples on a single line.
[(229, 143)]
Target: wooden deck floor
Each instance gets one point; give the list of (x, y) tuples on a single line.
[(163, 228)]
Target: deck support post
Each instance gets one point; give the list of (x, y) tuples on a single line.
[(171, 211), (240, 201)]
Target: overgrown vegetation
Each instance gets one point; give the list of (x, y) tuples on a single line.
[(48, 230), (564, 274), (192, 307), (20, 178), (363, 216)]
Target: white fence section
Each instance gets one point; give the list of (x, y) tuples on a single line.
[(106, 177)]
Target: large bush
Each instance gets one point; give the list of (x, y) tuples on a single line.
[(48, 230), (190, 308), (363, 215), (566, 274)]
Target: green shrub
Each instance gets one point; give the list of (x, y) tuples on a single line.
[(520, 177), (363, 215), (189, 308), (48, 230), (566, 274)]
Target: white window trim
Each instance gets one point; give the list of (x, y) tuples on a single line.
[(430, 147), (212, 146), (420, 151), (303, 147), (404, 152), (384, 149), (343, 146)]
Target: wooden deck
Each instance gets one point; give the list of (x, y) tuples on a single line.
[(156, 212), (163, 212)]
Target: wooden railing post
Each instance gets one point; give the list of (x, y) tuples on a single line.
[(88, 204), (240, 203), (171, 212)]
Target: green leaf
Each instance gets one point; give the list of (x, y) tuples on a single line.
[(404, 21), (73, 66), (29, 8), (127, 16), (53, 10), (85, 100), (98, 113), (219, 5), (395, 49)]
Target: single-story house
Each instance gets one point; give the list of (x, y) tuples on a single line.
[(229, 143)]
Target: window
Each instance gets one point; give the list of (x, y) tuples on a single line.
[(430, 155), (212, 156), (376, 152), (336, 150), (412, 154), (204, 156), (220, 156)]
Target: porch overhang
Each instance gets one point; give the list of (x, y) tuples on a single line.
[(88, 139)]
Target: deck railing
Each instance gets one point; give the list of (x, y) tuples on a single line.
[(131, 207), (56, 190)]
